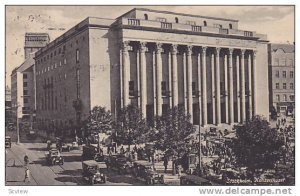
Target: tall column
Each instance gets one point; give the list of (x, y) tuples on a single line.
[(190, 81), (254, 80), (218, 94), (199, 87), (231, 103), (138, 75), (238, 93), (184, 83), (250, 85), (243, 100), (204, 88), (158, 79), (213, 88), (143, 79), (170, 79), (126, 73), (226, 88), (154, 82), (174, 75)]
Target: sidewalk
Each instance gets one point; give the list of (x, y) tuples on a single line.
[(169, 178)]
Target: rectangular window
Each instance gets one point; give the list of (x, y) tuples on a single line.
[(284, 85), (291, 62), (284, 74), (161, 19), (59, 50), (131, 88), (292, 97), (25, 100), (25, 92), (284, 97), (277, 74), (77, 55), (24, 84), (191, 22), (276, 62), (194, 92), (65, 61), (277, 85), (291, 74), (24, 76), (292, 86), (164, 88), (78, 83), (277, 97)]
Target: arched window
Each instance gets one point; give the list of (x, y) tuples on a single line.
[(146, 16), (176, 20), (230, 26), (205, 23)]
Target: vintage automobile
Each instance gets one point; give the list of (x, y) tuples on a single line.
[(91, 152), (7, 142), (64, 146), (145, 170), (193, 180), (120, 163), (31, 134), (94, 172), (53, 157)]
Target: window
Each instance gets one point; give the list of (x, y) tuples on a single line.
[(55, 65), (204, 23), (277, 85), (65, 61), (277, 97), (218, 26), (164, 88), (24, 84), (55, 53), (276, 62), (78, 83), (25, 100), (47, 56), (59, 50), (277, 74), (64, 47), (176, 20), (291, 74), (194, 89), (291, 62), (230, 26), (292, 97), (292, 86), (282, 62), (284, 97), (146, 16), (77, 55), (131, 88), (24, 76), (25, 92), (191, 23), (284, 85), (161, 19), (284, 74), (60, 63)]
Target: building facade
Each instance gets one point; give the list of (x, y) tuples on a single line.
[(282, 74), (8, 112), (23, 79), (156, 60)]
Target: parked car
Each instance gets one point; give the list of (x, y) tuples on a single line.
[(94, 172), (53, 157), (31, 134), (193, 180), (145, 170), (7, 142)]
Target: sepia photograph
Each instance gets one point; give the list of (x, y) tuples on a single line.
[(150, 95)]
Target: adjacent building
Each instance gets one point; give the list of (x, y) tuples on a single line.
[(8, 112), (23, 79), (156, 60), (282, 77)]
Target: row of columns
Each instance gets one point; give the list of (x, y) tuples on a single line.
[(202, 81)]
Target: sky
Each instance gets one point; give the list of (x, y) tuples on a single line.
[(275, 21)]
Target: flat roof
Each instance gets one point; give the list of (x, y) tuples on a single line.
[(176, 13)]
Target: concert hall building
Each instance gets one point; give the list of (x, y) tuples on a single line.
[(156, 60)]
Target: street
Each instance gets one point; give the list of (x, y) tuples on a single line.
[(70, 173)]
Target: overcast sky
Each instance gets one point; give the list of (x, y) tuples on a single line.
[(275, 21)]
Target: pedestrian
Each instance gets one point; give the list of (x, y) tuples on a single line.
[(27, 175), (26, 159), (166, 164)]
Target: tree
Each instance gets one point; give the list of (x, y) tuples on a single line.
[(172, 129), (99, 121), (257, 145), (131, 127)]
